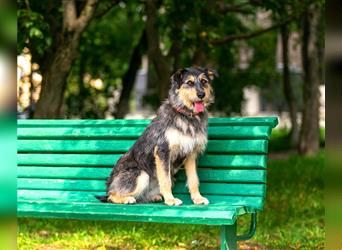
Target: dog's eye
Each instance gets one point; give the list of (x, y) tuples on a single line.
[(190, 82), (204, 81)]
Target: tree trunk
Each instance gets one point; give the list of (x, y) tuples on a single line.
[(59, 63), (309, 134), (287, 87), (83, 92), (54, 80), (129, 77), (160, 62)]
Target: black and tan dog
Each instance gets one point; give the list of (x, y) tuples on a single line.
[(174, 138)]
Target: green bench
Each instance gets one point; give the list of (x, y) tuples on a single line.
[(63, 164)]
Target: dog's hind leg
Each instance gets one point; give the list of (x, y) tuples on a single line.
[(125, 189)]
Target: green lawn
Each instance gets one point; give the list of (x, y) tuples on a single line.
[(292, 219)]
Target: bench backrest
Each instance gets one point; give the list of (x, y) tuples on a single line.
[(71, 159)]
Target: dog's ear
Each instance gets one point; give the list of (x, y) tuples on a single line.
[(176, 78), (212, 73)]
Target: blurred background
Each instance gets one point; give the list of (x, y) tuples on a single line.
[(113, 59)]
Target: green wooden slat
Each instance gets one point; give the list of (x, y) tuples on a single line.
[(86, 196), (103, 173), (75, 146), (217, 132), (210, 215), (99, 185), (237, 176), (235, 161), (237, 146), (114, 146), (243, 161), (268, 121), (80, 132), (224, 189)]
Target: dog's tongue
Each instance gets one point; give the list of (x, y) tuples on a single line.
[(199, 107)]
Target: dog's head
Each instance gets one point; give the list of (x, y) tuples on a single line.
[(191, 88)]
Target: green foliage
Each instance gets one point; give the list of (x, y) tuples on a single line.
[(34, 31), (293, 219)]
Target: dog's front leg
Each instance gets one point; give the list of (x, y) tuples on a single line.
[(163, 169), (193, 182)]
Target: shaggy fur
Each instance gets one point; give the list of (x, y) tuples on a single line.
[(173, 139)]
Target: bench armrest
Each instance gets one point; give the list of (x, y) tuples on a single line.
[(252, 229)]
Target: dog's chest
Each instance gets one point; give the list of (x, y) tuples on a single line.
[(185, 144)]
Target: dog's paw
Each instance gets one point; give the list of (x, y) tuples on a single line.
[(200, 200), (156, 198), (173, 202), (129, 200)]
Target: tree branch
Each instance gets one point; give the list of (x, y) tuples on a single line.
[(106, 9), (86, 14), (152, 30), (69, 14), (234, 37)]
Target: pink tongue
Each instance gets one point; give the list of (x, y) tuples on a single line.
[(199, 107)]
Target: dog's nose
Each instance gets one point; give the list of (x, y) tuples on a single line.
[(201, 95)]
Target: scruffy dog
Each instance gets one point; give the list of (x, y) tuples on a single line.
[(174, 138)]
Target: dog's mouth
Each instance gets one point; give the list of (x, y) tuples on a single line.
[(199, 107)]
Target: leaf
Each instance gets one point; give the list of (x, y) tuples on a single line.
[(35, 32)]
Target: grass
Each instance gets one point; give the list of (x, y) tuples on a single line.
[(292, 219)]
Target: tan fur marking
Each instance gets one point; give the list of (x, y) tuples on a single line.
[(121, 199), (190, 78), (192, 180), (164, 178), (191, 174), (202, 76), (211, 74), (187, 95), (209, 98)]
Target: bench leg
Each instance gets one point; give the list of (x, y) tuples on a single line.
[(228, 237)]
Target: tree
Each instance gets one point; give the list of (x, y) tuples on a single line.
[(59, 50), (60, 61), (287, 87), (312, 76)]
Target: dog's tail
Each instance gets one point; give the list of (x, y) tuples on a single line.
[(103, 198)]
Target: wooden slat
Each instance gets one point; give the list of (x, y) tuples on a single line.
[(85, 196), (238, 176), (210, 215), (99, 185), (121, 146), (255, 121), (108, 160), (216, 132)]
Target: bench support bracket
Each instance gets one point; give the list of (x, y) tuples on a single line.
[(252, 229), (229, 238)]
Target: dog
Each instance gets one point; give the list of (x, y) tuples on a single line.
[(174, 138)]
